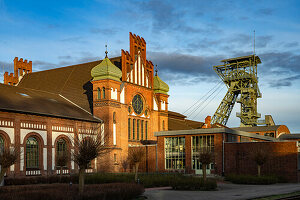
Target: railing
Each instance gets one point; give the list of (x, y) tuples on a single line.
[(64, 171), (33, 173), (89, 170)]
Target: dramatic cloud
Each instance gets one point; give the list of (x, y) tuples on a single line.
[(284, 81), (176, 67)]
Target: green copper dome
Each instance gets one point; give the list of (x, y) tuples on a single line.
[(106, 70), (160, 86)]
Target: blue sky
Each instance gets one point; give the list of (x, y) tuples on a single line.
[(184, 38)]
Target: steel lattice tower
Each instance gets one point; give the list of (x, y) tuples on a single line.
[(240, 76)]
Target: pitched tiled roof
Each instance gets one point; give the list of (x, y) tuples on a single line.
[(31, 101), (72, 82), (177, 121)]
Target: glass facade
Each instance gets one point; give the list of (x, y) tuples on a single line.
[(198, 144), (175, 153), (32, 153)]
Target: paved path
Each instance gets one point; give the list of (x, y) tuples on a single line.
[(225, 191)]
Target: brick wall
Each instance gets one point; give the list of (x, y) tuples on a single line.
[(282, 159)]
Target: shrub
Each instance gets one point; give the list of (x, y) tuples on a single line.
[(253, 180), (116, 191)]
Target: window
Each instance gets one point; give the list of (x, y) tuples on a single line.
[(137, 104), (61, 147), (103, 91), (32, 153), (1, 144), (99, 93), (146, 130), (175, 153), (133, 129), (142, 130), (138, 129), (114, 117), (129, 129), (115, 157), (198, 144), (163, 125)]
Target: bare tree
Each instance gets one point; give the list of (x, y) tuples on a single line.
[(125, 163), (8, 157), (62, 161), (260, 157), (87, 149), (135, 156), (206, 156)]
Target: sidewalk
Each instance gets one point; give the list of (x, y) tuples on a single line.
[(225, 191)]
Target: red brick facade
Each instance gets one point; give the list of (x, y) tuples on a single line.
[(282, 160)]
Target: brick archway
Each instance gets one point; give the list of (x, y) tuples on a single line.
[(6, 138)]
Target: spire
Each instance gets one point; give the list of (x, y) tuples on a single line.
[(106, 52), (156, 70)]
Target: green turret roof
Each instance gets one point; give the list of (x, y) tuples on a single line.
[(106, 70), (159, 86)]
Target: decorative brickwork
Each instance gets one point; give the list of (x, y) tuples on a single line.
[(20, 69)]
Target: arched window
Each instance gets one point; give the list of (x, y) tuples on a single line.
[(1, 144), (133, 129), (129, 129), (32, 153), (61, 147), (114, 117), (163, 125), (103, 91), (142, 129), (99, 93), (138, 130), (146, 130)]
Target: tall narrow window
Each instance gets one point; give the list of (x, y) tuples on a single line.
[(114, 117), (129, 129), (163, 125), (133, 129), (1, 144), (61, 147), (99, 93), (142, 130), (103, 92), (138, 129), (32, 153), (146, 130)]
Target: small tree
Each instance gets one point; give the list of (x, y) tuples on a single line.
[(87, 149), (124, 163), (206, 157), (8, 157), (135, 156), (62, 161), (260, 157)]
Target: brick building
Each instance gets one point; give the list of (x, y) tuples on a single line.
[(42, 112), (233, 148)]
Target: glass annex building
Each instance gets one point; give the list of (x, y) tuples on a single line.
[(175, 152)]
